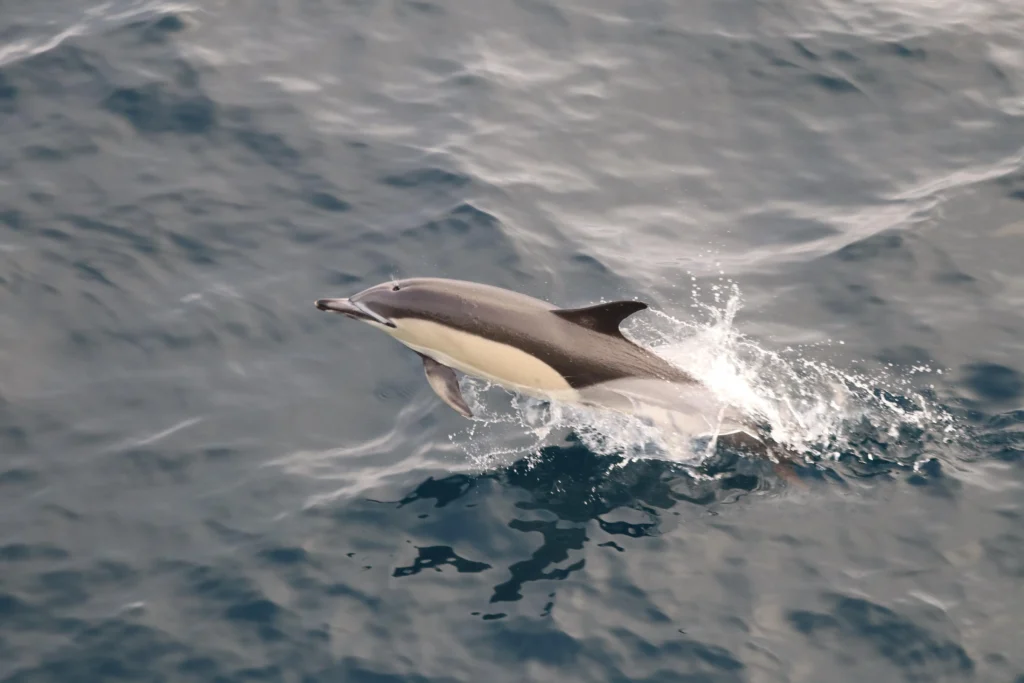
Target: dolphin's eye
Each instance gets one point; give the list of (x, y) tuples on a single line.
[(395, 288)]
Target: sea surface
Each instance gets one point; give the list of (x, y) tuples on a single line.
[(203, 478)]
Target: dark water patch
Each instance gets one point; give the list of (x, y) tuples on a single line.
[(465, 230), (204, 668), (151, 467), (91, 273), (427, 179), (8, 96), (679, 659), (285, 556), (18, 477), (112, 649), (625, 529), (436, 557), (464, 220), (148, 342), (555, 548), (1004, 552), (851, 298), (257, 611), (742, 482), (928, 475), (60, 73), (11, 606), (13, 219), (229, 594), (428, 8), (918, 653), (834, 83), (395, 391), (193, 249), (994, 382), (49, 154), (343, 590), (193, 202), (1013, 184), (55, 235), (19, 615), (63, 588), (953, 278), (574, 483), (887, 245), (161, 30), (589, 264), (579, 486), (441, 491), (147, 35), (905, 51), (548, 14), (26, 552), (768, 54), (219, 585), (515, 644), (1006, 446), (1001, 435), (328, 202), (361, 671), (871, 450), (154, 109), (229, 535), (707, 661), (804, 51), (270, 148), (126, 235)]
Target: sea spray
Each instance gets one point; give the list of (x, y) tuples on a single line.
[(813, 408)]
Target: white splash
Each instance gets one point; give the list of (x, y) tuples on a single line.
[(817, 410), (809, 406)]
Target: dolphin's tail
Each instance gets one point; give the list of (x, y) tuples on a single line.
[(763, 446), (690, 411), (783, 458)]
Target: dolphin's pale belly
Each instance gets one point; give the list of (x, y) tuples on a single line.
[(473, 355), (682, 408)]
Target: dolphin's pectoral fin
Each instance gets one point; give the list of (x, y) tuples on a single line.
[(604, 318), (445, 384)]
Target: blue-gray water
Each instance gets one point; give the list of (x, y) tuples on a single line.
[(202, 478)]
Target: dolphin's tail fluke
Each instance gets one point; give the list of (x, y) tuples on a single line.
[(783, 458)]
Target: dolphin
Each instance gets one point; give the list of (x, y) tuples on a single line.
[(526, 345)]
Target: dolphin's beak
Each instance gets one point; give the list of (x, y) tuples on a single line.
[(352, 309)]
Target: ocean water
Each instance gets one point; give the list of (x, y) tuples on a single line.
[(203, 478)]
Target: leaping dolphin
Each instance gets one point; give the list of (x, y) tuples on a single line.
[(571, 355)]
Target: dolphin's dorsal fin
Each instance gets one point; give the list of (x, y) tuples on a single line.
[(603, 318)]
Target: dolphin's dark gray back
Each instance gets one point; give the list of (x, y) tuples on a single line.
[(584, 345)]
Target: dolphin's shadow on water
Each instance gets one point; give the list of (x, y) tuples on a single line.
[(578, 486)]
